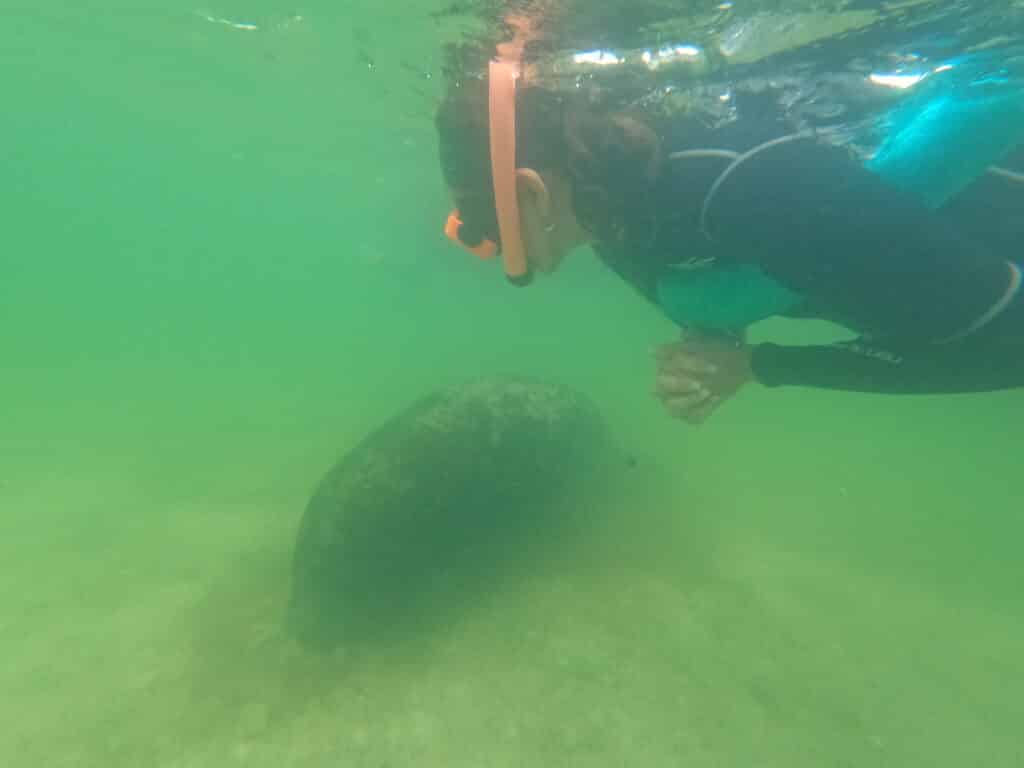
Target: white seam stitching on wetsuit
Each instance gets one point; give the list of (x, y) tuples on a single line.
[(995, 310), (736, 163), (1006, 173)]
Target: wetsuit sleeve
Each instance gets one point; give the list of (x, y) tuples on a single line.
[(863, 366), (871, 257)]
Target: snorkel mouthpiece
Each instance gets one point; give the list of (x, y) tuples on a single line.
[(485, 249)]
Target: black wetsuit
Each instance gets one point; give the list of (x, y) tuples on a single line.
[(933, 295)]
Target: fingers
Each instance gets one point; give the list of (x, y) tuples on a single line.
[(681, 396), (685, 398), (669, 385), (693, 409), (699, 415), (682, 363), (677, 359), (681, 382), (686, 406)]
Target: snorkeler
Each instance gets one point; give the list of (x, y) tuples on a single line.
[(725, 223)]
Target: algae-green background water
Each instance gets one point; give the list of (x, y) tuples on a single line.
[(222, 266)]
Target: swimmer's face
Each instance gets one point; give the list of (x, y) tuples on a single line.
[(548, 224)]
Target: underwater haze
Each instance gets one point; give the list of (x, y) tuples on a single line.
[(223, 266)]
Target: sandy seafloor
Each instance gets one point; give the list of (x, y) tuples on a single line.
[(841, 592)]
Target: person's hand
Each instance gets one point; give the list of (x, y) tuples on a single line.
[(696, 374)]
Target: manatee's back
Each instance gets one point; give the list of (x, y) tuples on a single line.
[(446, 486)]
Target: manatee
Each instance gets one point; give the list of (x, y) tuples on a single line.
[(458, 488)]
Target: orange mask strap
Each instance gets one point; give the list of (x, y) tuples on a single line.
[(502, 78)]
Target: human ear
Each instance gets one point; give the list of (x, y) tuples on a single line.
[(532, 189)]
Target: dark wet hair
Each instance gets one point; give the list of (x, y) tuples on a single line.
[(610, 164)]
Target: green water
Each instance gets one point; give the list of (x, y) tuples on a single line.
[(222, 266)]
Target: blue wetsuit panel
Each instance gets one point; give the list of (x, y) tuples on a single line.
[(968, 115), (722, 298)]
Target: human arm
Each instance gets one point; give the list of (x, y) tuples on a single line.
[(938, 312)]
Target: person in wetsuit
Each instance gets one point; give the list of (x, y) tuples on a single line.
[(724, 226)]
